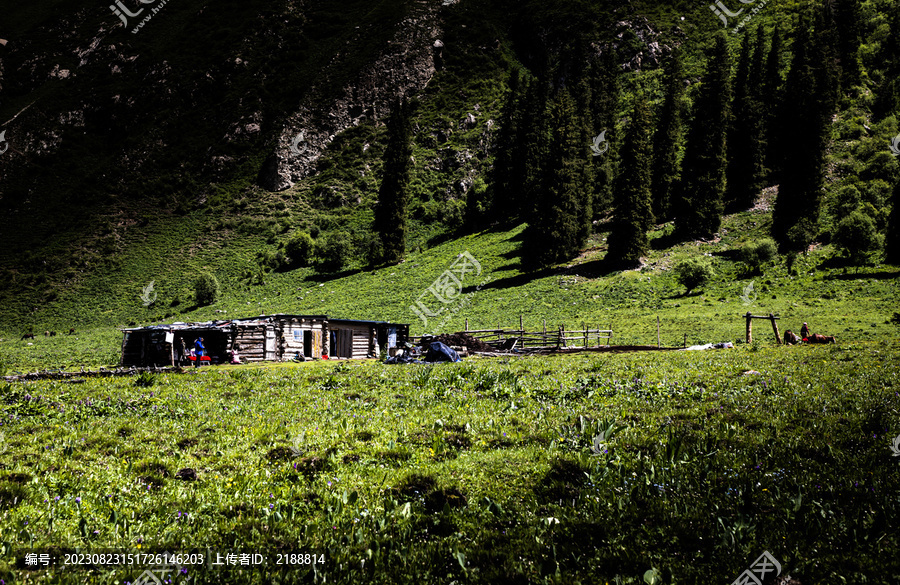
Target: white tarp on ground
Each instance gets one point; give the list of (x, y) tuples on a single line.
[(724, 345)]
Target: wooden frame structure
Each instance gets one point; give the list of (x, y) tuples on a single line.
[(769, 317)]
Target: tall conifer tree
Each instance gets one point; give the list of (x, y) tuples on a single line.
[(508, 182), (605, 88), (892, 238), (393, 194), (849, 32), (558, 228), (746, 146), (772, 107), (536, 143), (668, 138), (805, 119), (703, 173), (633, 214), (887, 94)]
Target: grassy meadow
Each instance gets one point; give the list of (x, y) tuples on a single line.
[(655, 467)]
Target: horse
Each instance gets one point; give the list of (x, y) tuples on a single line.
[(28, 336), (819, 338), (790, 338)]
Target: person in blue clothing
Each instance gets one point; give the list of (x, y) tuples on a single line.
[(199, 351)]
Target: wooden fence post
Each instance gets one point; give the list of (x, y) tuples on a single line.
[(749, 327), (657, 332), (775, 328), (467, 323)]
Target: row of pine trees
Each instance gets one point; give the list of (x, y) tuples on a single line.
[(750, 127)]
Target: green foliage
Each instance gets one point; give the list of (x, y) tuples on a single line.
[(561, 223), (402, 460), (393, 194), (746, 139), (801, 235), (633, 213), (336, 250), (668, 138), (703, 175), (605, 79), (756, 255), (844, 202), (145, 380), (206, 289), (856, 236), (892, 238), (693, 273), (300, 249), (509, 173), (808, 105)]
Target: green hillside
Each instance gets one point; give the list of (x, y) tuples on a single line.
[(84, 234)]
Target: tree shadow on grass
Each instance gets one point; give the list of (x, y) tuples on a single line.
[(883, 275), (320, 277), (517, 280), (666, 241)]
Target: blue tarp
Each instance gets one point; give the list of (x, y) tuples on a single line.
[(438, 352)]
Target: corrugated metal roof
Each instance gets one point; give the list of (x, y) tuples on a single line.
[(259, 320)]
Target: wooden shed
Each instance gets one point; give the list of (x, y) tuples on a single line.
[(264, 338)]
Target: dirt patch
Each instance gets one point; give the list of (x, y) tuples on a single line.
[(424, 488), (186, 443), (562, 482), (11, 495), (310, 466), (186, 474), (280, 453), (19, 478)]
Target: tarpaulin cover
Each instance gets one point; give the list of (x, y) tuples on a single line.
[(438, 352)]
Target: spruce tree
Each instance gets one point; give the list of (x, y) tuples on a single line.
[(887, 93), (849, 32), (633, 214), (668, 138), (558, 228), (536, 144), (892, 238), (508, 176), (771, 106), (746, 146), (805, 120), (604, 95), (393, 194), (703, 172)]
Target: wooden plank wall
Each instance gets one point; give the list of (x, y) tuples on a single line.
[(252, 339), (360, 346), (291, 346)]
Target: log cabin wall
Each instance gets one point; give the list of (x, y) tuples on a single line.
[(353, 341), (303, 336), (252, 342)]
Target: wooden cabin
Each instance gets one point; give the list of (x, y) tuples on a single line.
[(264, 338)]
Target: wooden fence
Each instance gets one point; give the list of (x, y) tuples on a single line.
[(507, 338)]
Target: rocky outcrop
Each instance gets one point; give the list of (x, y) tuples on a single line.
[(404, 68)]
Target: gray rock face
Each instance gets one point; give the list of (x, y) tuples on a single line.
[(404, 67)]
